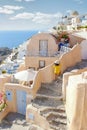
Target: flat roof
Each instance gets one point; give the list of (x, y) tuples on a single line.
[(82, 34)]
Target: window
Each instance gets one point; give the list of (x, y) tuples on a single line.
[(41, 63), (43, 47)]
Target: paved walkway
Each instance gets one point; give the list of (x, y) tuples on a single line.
[(14, 121)]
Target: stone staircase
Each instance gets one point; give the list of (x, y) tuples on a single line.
[(56, 117), (49, 101), (50, 104)]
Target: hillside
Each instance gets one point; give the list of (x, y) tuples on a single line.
[(4, 52)]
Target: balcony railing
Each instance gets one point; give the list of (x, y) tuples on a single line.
[(49, 53)]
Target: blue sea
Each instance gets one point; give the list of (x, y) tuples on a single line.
[(12, 39)]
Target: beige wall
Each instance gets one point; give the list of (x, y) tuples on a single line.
[(3, 79), (66, 78), (46, 75), (21, 67), (70, 58), (34, 42), (33, 46), (13, 88), (4, 113), (37, 118), (34, 61), (36, 84), (76, 97)]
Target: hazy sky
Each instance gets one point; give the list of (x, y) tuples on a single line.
[(36, 14)]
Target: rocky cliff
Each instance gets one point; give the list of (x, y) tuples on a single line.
[(4, 52)]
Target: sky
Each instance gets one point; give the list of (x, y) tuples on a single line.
[(36, 14)]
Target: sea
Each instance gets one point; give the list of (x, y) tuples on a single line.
[(13, 39)]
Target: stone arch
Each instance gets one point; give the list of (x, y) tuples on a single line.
[(84, 49)]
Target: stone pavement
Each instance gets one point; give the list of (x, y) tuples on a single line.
[(14, 121)]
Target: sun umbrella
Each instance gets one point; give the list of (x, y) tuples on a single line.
[(25, 75)]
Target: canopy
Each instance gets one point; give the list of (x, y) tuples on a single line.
[(25, 75)]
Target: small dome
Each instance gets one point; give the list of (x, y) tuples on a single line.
[(74, 13)]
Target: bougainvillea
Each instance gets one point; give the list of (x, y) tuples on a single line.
[(2, 101)]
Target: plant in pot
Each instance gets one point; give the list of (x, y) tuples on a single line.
[(65, 37)]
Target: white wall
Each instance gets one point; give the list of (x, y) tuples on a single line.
[(84, 49)]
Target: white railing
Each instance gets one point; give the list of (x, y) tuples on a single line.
[(65, 49), (50, 53), (40, 53)]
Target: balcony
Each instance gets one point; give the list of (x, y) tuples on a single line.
[(50, 53)]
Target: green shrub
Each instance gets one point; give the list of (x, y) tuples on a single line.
[(3, 71), (64, 36)]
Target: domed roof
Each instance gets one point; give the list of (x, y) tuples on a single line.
[(74, 13)]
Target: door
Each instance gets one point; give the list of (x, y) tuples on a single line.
[(21, 102), (43, 47)]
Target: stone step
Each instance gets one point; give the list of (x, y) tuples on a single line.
[(57, 124), (48, 96), (54, 127), (50, 104), (50, 90), (54, 115), (47, 102), (60, 127), (60, 120), (59, 109)]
